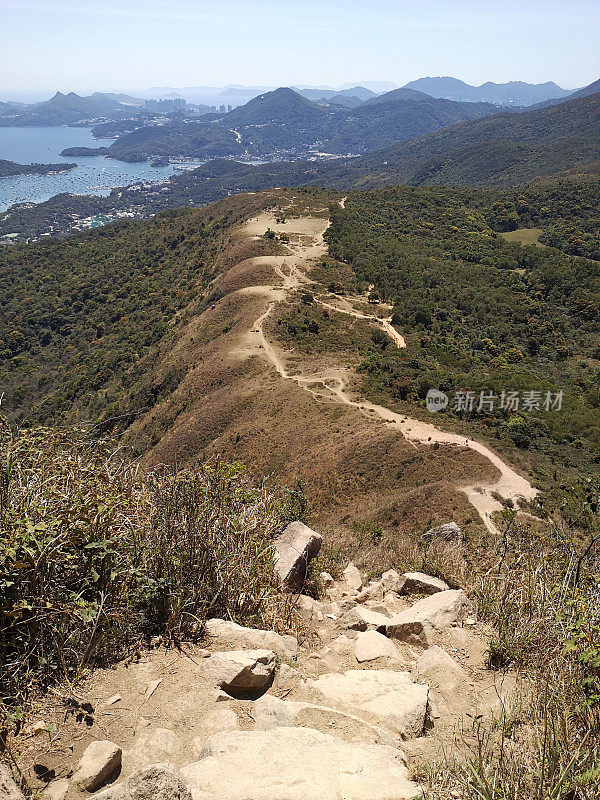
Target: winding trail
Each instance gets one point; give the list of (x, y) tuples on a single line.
[(329, 384)]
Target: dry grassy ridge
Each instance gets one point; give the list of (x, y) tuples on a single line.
[(232, 402)]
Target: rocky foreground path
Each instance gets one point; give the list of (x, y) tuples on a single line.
[(385, 676)]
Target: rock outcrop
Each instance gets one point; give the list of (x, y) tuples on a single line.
[(391, 699), (297, 764), (228, 635), (294, 550), (241, 672), (260, 717)]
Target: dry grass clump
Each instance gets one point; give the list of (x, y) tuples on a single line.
[(97, 555)]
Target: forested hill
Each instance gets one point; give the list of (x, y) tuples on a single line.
[(505, 148), (481, 313), (63, 109), (499, 151), (79, 315), (9, 168)]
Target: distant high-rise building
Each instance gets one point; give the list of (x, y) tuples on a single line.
[(162, 106)]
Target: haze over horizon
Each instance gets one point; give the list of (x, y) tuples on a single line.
[(92, 46)]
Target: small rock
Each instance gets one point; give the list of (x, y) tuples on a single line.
[(327, 579), (116, 698), (420, 583), (288, 674), (294, 550), (309, 608), (100, 760), (448, 532), (370, 592), (241, 672), (39, 727), (353, 578), (8, 788), (57, 790), (341, 645), (156, 782), (371, 645), (389, 580)]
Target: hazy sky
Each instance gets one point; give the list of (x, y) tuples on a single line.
[(85, 45)]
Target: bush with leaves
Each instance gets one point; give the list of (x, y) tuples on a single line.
[(96, 555)]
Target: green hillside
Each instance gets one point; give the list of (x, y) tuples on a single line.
[(78, 315), (480, 314)]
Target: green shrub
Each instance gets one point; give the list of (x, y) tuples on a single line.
[(95, 555)]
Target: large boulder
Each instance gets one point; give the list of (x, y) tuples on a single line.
[(371, 645), (384, 697), (420, 583), (297, 764), (99, 762), (225, 634), (295, 548), (241, 673), (419, 623), (353, 578)]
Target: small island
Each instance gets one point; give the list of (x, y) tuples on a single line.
[(10, 168), (80, 152)]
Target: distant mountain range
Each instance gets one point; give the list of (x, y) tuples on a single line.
[(513, 93), (283, 124), (351, 97), (71, 109), (63, 109)]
